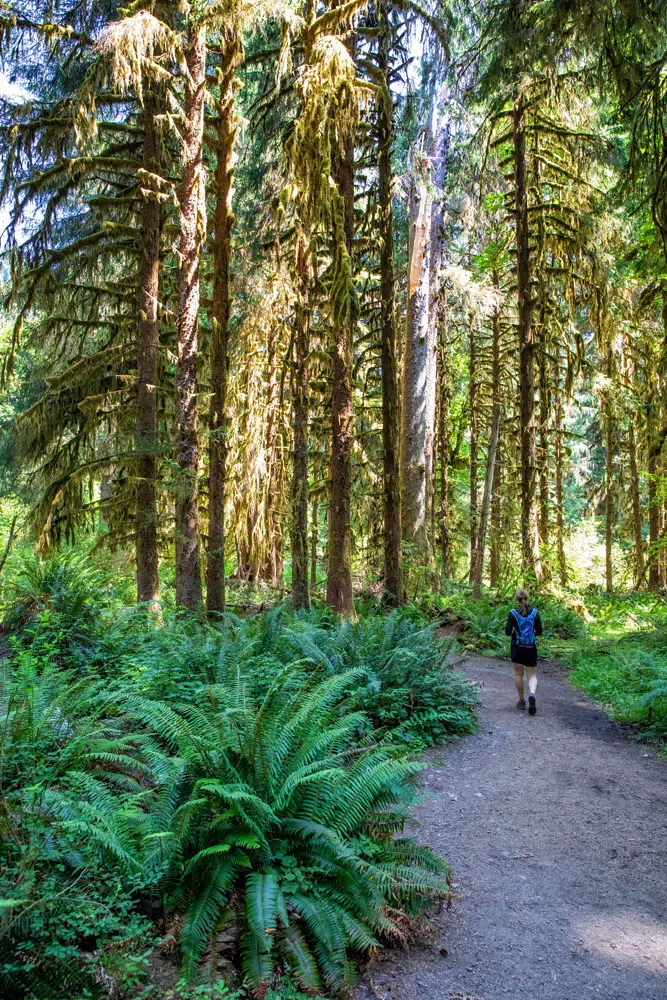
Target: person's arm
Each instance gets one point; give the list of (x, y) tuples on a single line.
[(538, 624), (510, 624)]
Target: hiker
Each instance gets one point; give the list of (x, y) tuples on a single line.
[(523, 624)]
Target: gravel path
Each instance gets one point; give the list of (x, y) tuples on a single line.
[(556, 828)]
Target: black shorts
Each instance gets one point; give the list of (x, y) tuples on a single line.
[(527, 655)]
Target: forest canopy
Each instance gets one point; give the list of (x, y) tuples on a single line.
[(310, 294)]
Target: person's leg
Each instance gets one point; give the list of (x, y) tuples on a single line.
[(531, 674), (518, 680)]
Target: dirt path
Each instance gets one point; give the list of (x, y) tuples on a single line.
[(556, 828)]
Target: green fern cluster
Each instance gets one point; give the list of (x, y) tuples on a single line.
[(246, 781), (71, 807), (279, 811)]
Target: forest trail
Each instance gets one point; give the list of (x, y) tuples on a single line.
[(556, 828)]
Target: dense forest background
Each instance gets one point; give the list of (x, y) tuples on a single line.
[(378, 273), (355, 311)]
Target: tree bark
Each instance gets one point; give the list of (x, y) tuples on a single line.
[(529, 528), (495, 527), (444, 433), (473, 387), (146, 539), (299, 490), (419, 369), (545, 407), (609, 476), (272, 569), (192, 233), (654, 447), (636, 503), (339, 575), (393, 554), (223, 223), (609, 503), (559, 459), (314, 535), (494, 437), (439, 154)]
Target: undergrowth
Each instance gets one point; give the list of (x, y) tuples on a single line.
[(226, 795)]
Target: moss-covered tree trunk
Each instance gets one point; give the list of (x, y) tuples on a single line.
[(393, 556), (272, 568), (146, 536), (529, 527), (609, 430), (653, 449), (314, 538), (545, 470), (559, 458), (495, 538), (637, 525), (473, 394), (192, 234), (494, 437), (220, 312), (339, 575), (299, 486)]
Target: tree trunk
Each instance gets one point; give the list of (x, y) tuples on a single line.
[(419, 369), (444, 433), (654, 446), (272, 569), (224, 222), (529, 529), (147, 359), (393, 555), (474, 445), (495, 530), (636, 504), (339, 575), (299, 491), (545, 407), (314, 535), (192, 232), (609, 500), (494, 436), (559, 458), (439, 156)]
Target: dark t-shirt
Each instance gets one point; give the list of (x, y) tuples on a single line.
[(511, 627)]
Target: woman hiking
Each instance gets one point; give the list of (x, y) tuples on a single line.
[(523, 625)]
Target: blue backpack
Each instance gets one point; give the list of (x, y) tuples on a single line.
[(525, 627)]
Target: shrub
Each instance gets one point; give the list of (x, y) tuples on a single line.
[(69, 860), (280, 812), (407, 682), (56, 605)]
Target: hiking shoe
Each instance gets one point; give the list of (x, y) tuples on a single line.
[(521, 703), (532, 706)]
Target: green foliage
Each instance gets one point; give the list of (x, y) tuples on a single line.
[(59, 602), (405, 681), (253, 773), (408, 683), (280, 804), (70, 803)]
